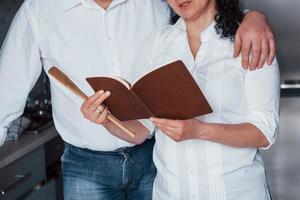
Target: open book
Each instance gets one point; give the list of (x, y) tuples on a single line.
[(167, 92)]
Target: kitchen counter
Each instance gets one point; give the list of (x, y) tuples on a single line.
[(29, 167)]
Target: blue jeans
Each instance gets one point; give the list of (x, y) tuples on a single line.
[(127, 173)]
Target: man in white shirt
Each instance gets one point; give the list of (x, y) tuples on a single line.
[(87, 38)]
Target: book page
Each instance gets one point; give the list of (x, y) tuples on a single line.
[(149, 72), (121, 80), (171, 92)]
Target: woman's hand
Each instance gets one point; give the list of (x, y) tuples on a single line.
[(236, 135), (180, 130), (94, 110)]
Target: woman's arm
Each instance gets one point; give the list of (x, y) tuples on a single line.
[(259, 127), (236, 135)]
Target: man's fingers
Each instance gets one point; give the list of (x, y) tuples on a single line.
[(98, 101), (272, 51), (246, 47), (255, 54), (264, 53), (93, 116), (237, 46), (102, 117), (92, 108), (90, 100)]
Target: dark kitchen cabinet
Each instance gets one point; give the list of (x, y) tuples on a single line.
[(30, 167)]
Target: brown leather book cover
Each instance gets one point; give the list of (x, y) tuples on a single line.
[(167, 92)]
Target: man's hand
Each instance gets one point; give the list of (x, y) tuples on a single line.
[(255, 41), (180, 130), (93, 110)]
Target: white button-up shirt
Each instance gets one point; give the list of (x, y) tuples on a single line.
[(83, 40), (196, 169)]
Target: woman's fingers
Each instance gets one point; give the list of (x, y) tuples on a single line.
[(167, 128), (168, 132), (165, 122), (170, 127), (173, 135)]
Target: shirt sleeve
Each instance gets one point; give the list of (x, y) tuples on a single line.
[(149, 125), (162, 12), (20, 66), (262, 90)]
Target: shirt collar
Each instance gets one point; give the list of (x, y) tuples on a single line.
[(207, 34), (115, 3), (69, 4)]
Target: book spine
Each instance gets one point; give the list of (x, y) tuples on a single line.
[(141, 102)]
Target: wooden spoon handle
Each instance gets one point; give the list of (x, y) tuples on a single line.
[(63, 79)]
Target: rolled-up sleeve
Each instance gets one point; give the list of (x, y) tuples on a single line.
[(20, 66), (262, 90)]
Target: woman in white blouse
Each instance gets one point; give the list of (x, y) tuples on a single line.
[(216, 156)]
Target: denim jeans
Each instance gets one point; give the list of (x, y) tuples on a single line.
[(127, 173)]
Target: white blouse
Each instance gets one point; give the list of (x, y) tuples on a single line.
[(196, 169)]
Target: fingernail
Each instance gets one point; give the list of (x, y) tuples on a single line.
[(100, 92), (107, 93)]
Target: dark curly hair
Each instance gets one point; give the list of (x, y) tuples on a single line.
[(228, 17)]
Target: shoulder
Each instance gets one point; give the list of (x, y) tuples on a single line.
[(153, 5), (43, 3), (165, 35), (160, 3), (46, 6)]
